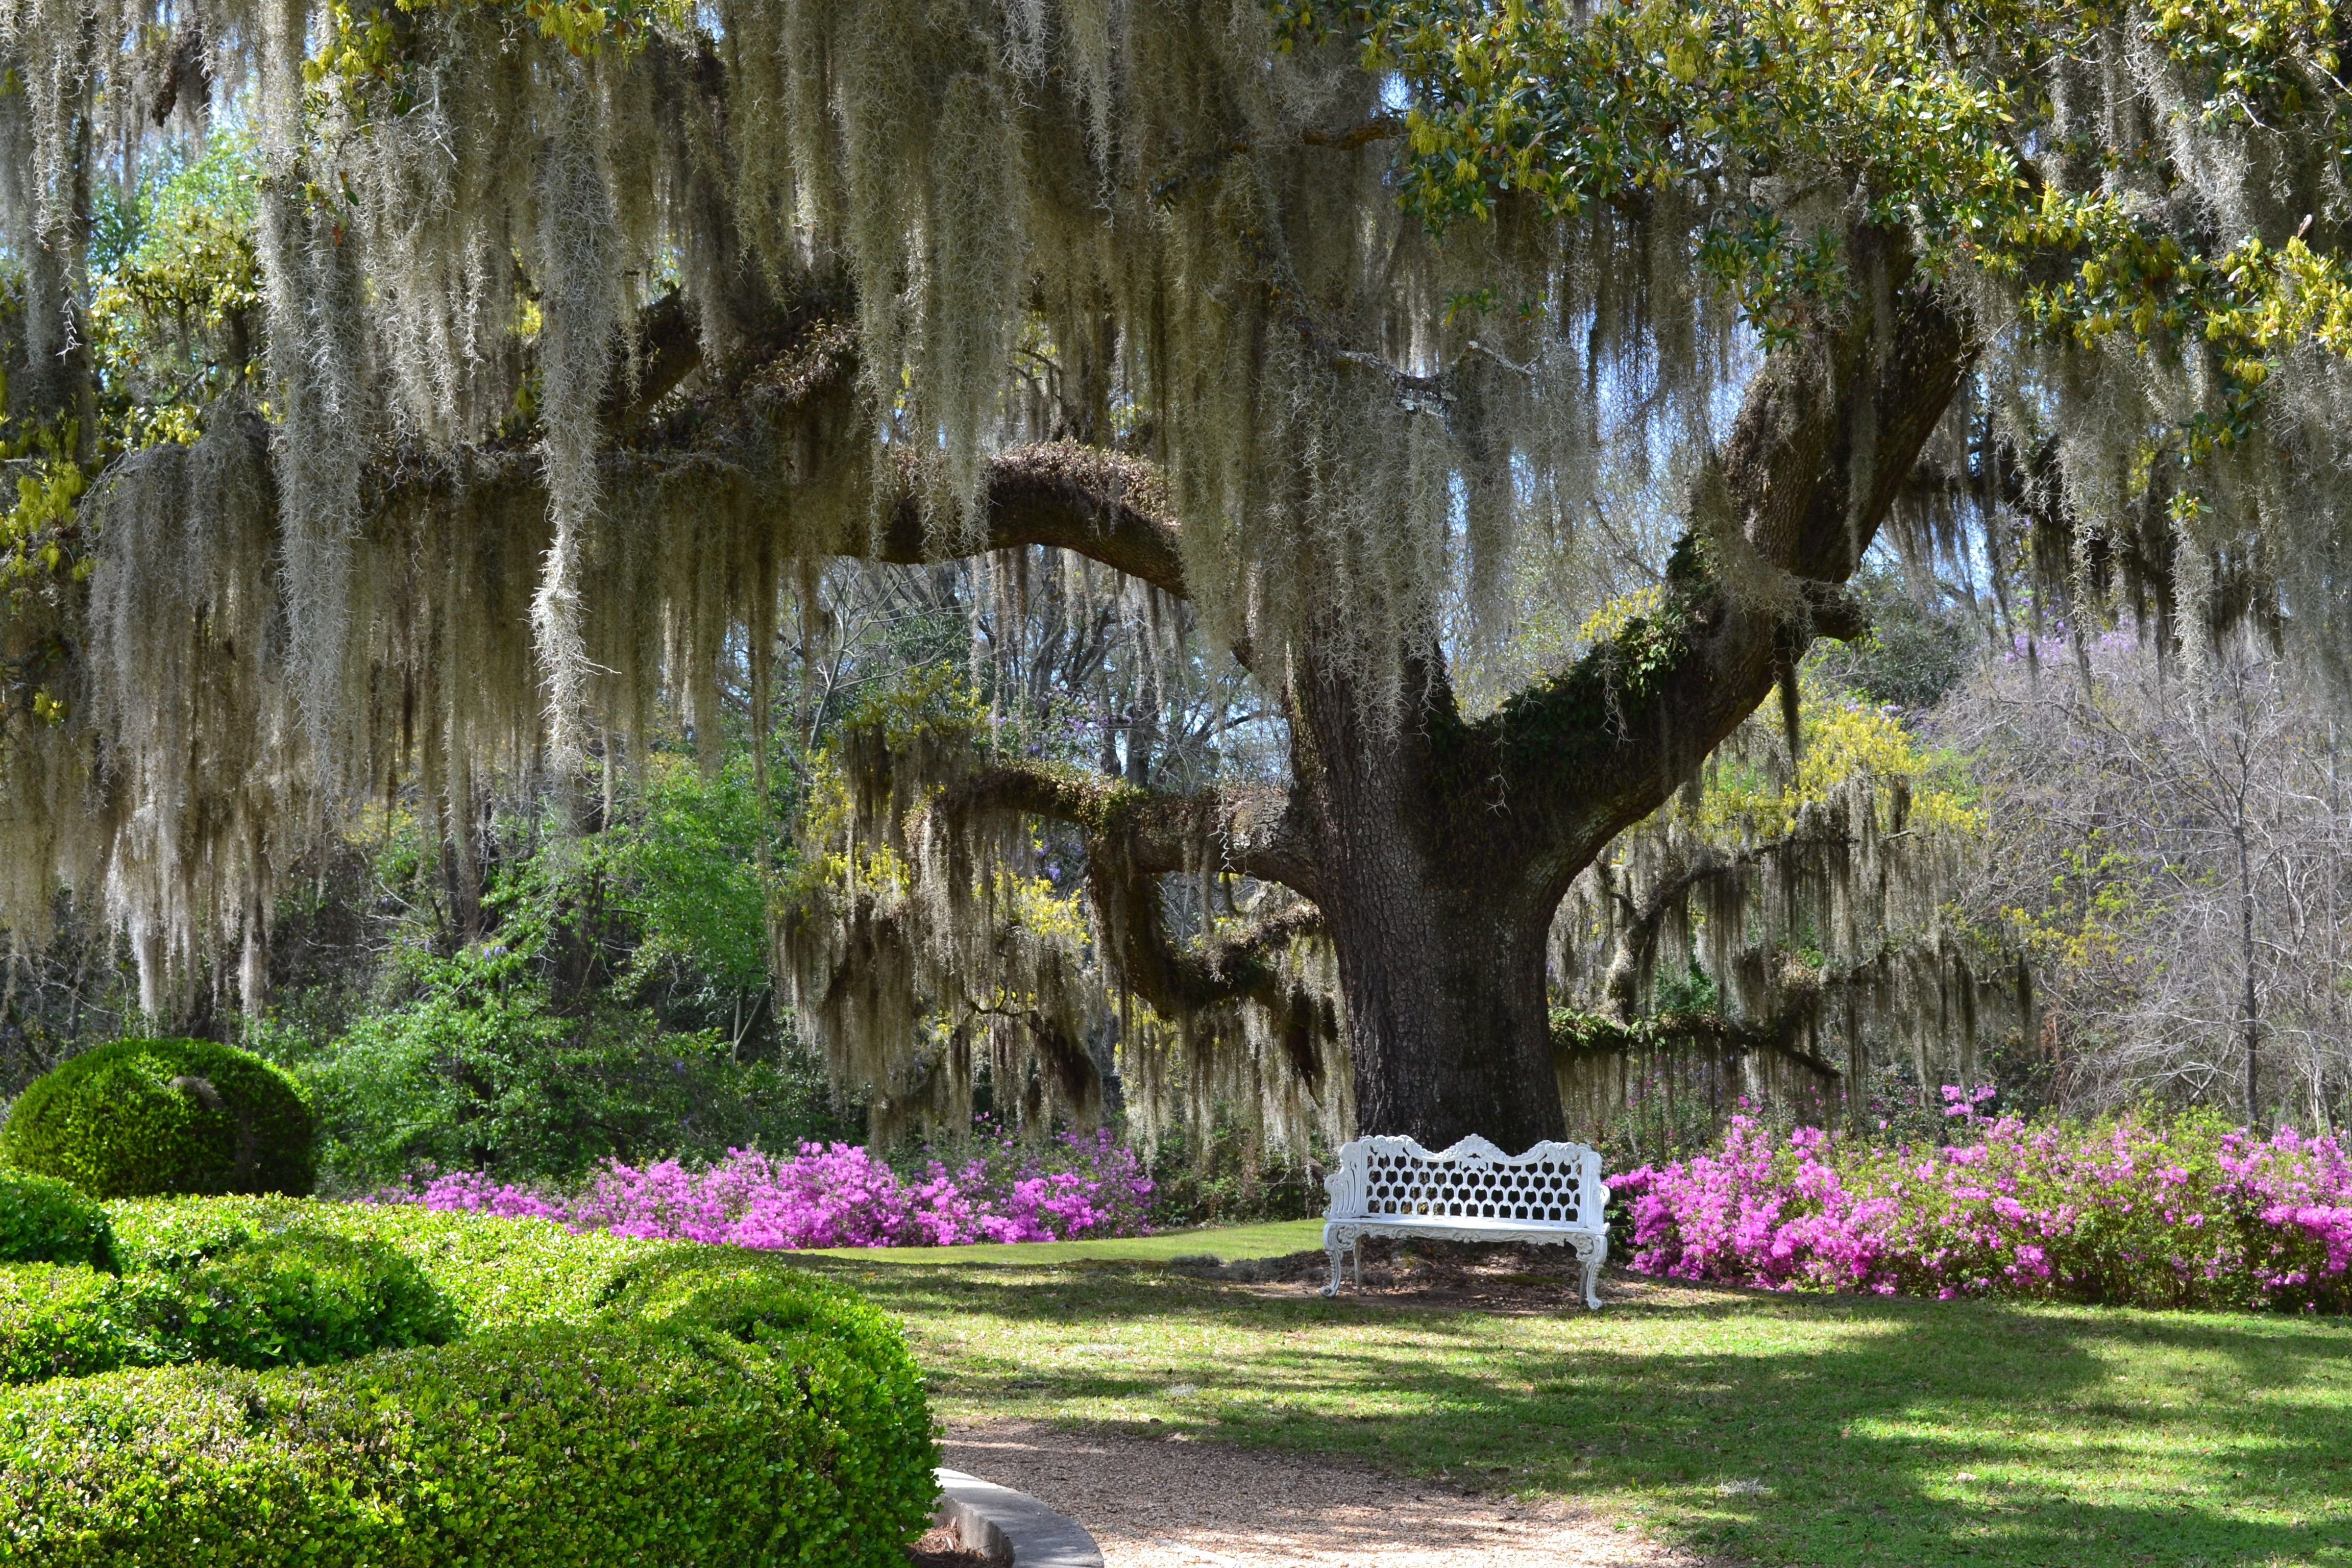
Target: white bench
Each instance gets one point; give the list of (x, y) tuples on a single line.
[(1550, 1195)]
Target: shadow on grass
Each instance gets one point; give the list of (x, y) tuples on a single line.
[(1826, 1430)]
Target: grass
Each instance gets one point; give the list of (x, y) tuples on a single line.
[(1778, 1429), (1276, 1239)]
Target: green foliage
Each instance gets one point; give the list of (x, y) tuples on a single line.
[(685, 864), (610, 999), (174, 282), (1912, 655), (301, 1297), (1751, 791), (58, 1320), (366, 50), (497, 1275), (140, 1117), (480, 1071), (44, 1220), (178, 280), (1923, 112), (1693, 991), (613, 1401), (1225, 1176)]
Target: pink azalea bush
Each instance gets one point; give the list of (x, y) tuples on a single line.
[(834, 1196), (2182, 1212)]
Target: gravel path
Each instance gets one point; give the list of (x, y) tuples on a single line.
[(1157, 1503)]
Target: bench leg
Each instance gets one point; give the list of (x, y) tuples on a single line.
[(1338, 1257), (1592, 1256)]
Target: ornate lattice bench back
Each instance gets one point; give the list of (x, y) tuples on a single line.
[(1552, 1194)]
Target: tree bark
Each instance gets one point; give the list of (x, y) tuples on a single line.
[(1441, 965)]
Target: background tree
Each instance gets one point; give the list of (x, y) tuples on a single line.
[(2168, 836), (580, 332)]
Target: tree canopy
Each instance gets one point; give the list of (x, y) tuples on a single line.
[(429, 394)]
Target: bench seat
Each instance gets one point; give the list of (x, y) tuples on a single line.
[(1552, 1195)]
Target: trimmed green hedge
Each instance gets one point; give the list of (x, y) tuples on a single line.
[(58, 1320), (610, 1403), (297, 1299), (136, 1118), (497, 1272), (44, 1220)]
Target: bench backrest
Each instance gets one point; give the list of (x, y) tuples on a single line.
[(1396, 1178)]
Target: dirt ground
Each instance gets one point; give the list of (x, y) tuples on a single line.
[(1161, 1503)]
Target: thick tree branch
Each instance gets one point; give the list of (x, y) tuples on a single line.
[(1589, 1036), (1244, 830), (1182, 981), (1643, 920), (669, 350), (1102, 505), (1132, 838), (1828, 434)]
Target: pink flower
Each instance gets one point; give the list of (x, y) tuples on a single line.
[(2056, 1209), (836, 1195)]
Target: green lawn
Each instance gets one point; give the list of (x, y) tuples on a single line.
[(1780, 1429), (1232, 1242)]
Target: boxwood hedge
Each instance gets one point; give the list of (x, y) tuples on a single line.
[(604, 1402), (297, 1299), (135, 1118), (44, 1220)]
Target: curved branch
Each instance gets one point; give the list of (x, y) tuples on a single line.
[(1183, 980), (1247, 830), (1132, 838), (1103, 505), (1589, 1034), (669, 350)]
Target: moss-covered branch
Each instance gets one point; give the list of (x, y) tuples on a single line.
[(1828, 433), (1132, 838), (1587, 1034), (1244, 830)]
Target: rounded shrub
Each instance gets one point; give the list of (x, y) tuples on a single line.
[(138, 1118), (44, 1220), (611, 1401)]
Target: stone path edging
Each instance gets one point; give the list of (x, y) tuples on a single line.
[(1013, 1526)]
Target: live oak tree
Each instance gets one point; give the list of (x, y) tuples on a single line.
[(563, 339)]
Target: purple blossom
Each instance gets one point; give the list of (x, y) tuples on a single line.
[(2185, 1213), (833, 1195)]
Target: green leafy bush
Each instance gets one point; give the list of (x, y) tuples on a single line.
[(299, 1297), (58, 1320), (482, 1070), (497, 1273), (293, 1298), (139, 1117), (44, 1220), (613, 1401)]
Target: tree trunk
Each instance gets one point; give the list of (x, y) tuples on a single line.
[(1442, 969), (1447, 1018), (2249, 1005)]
